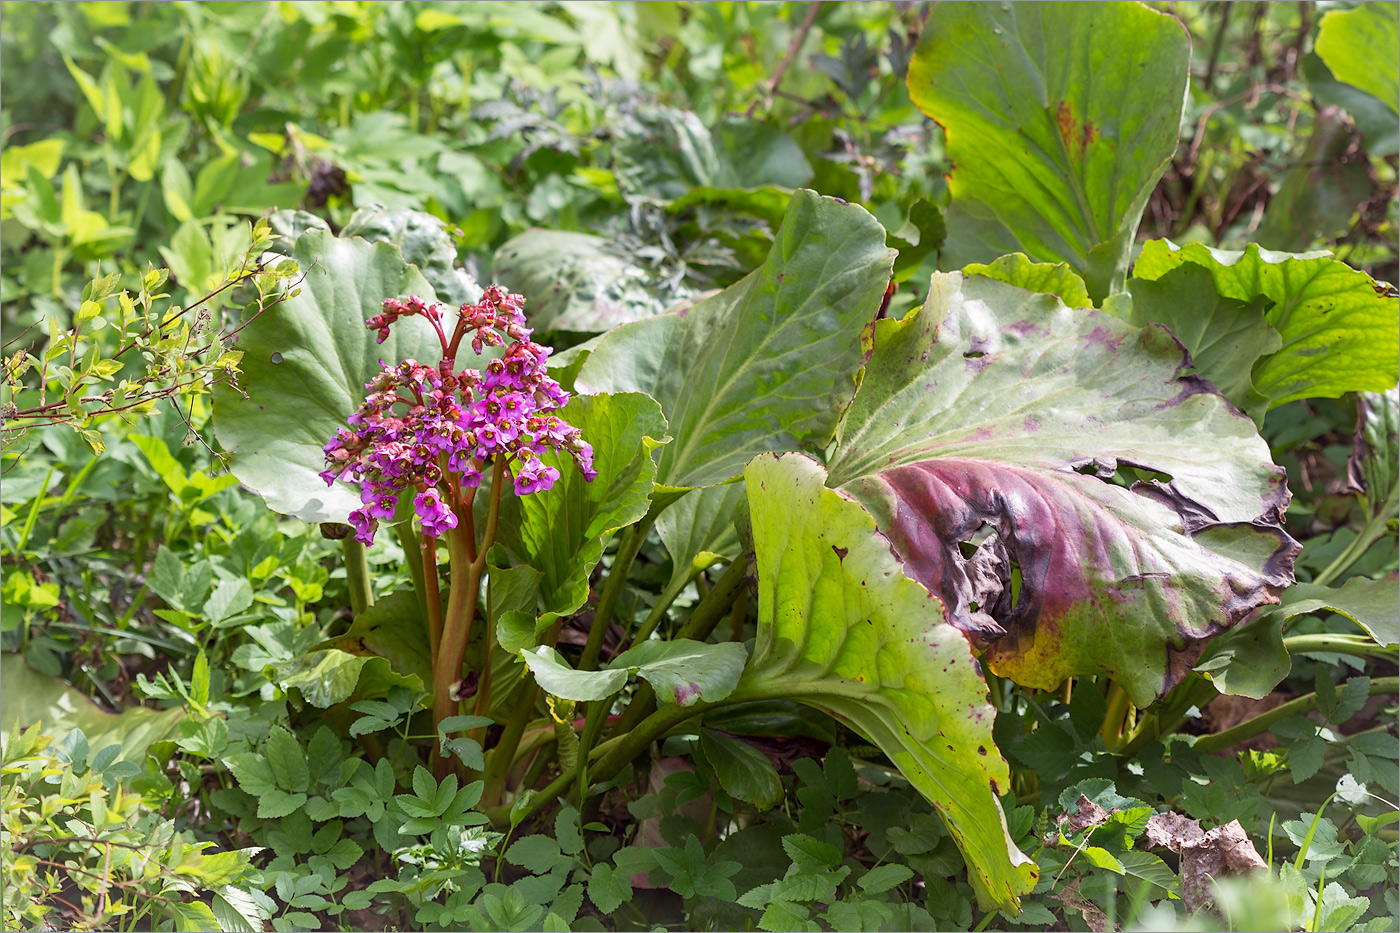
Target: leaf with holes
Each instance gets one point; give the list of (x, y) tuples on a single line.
[(995, 412), (1056, 142), (306, 361), (841, 628)]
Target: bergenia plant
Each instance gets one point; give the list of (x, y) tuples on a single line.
[(435, 431)]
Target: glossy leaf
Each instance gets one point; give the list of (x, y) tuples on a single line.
[(698, 530), (1369, 603), (743, 771), (768, 363), (1327, 314), (1361, 46), (330, 676), (305, 365), (994, 407), (1060, 118), (841, 628), (560, 531)]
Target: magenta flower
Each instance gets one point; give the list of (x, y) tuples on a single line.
[(433, 429)]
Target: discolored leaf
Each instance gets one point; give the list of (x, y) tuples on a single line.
[(841, 628), (984, 414), (1056, 279), (1060, 118)]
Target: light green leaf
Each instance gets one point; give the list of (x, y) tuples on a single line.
[(1060, 119), (841, 628), (1373, 469), (556, 677), (326, 677), (1361, 46), (1369, 603), (306, 362), (768, 363), (883, 877), (1223, 335), (560, 531), (229, 598), (1048, 278), (31, 697), (1335, 322), (683, 671), (984, 414)]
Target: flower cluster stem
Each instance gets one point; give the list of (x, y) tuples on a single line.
[(357, 575)]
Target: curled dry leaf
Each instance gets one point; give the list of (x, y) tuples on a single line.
[(1224, 850), (1086, 813)]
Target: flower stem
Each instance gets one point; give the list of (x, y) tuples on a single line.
[(413, 556), (431, 594), (498, 765), (456, 632), (357, 575)]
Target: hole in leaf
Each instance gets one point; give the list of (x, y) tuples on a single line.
[(973, 355), (970, 546), (276, 358), (1125, 475)]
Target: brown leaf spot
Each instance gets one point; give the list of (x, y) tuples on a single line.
[(1077, 136), (841, 552)]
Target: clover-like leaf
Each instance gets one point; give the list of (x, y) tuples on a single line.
[(984, 439), (1060, 118), (305, 364), (842, 628)]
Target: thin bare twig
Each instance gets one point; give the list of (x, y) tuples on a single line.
[(793, 47)]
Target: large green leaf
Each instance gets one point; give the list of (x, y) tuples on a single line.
[(841, 628), (560, 531), (698, 530), (305, 365), (1362, 47), (577, 282), (768, 363), (1223, 335), (1338, 327), (31, 697), (1060, 118), (1371, 604), (996, 412)]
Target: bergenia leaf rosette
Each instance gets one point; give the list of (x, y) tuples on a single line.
[(436, 431), (433, 429)]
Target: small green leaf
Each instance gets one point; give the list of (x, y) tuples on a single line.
[(743, 771), (883, 877), (556, 677), (287, 760), (684, 671), (607, 889)]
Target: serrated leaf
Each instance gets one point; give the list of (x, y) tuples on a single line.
[(607, 889), (883, 877), (273, 803), (287, 760)]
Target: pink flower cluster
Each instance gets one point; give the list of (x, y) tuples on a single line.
[(435, 430)]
